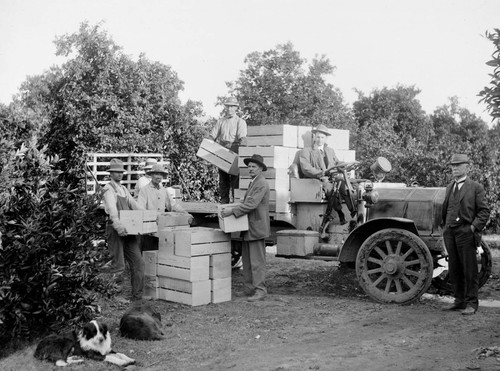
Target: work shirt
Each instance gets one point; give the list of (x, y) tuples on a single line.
[(152, 198), (143, 180), (229, 131), (111, 191)]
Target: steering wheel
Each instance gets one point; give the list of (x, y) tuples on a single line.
[(341, 165)]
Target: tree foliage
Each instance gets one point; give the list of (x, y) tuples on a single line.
[(491, 93), (277, 87)]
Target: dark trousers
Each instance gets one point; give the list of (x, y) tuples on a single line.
[(462, 264), (253, 256), (227, 185), (128, 248)]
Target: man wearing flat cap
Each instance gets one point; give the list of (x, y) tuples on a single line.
[(228, 132), (465, 213), (313, 163), (256, 206), (123, 247)]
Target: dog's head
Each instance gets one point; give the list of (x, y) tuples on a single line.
[(95, 336)]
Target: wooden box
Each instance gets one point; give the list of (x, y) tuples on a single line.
[(151, 286), (185, 292), (339, 139), (139, 221), (231, 223), (296, 242), (220, 266), (150, 262), (217, 155), (172, 219), (183, 268), (166, 240), (271, 135), (306, 190), (278, 157), (200, 241), (221, 290)]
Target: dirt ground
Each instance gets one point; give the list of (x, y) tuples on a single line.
[(315, 318)]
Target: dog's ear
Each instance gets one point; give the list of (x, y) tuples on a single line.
[(104, 329)]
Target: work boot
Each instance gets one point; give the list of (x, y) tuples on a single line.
[(455, 307), (259, 295), (243, 293), (469, 311)]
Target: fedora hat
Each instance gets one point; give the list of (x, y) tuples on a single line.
[(321, 129), (459, 158), (231, 101), (157, 168), (149, 163), (257, 159), (116, 165)]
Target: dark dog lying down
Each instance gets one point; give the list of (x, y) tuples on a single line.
[(92, 342), (141, 322)]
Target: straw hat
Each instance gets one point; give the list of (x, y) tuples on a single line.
[(157, 168), (231, 101), (149, 163), (459, 158)]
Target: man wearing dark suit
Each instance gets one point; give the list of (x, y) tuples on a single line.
[(465, 213), (256, 206)]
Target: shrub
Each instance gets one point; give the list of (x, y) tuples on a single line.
[(48, 254)]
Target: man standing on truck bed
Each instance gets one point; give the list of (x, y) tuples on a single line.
[(465, 213), (228, 132), (256, 206), (122, 246)]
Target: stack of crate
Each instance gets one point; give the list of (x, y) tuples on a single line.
[(192, 266), (278, 145)]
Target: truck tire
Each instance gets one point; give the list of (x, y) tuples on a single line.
[(394, 266), (484, 262)]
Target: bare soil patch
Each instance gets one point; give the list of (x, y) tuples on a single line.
[(315, 318)]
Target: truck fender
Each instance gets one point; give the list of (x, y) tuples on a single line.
[(350, 248)]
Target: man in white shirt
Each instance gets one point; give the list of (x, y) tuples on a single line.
[(143, 180), (228, 132)]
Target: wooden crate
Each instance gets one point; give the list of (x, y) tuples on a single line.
[(150, 262), (231, 223), (221, 290), (151, 286), (296, 242), (278, 157), (217, 155), (200, 241), (271, 135), (166, 240), (305, 190), (279, 200), (185, 292), (281, 182), (172, 219), (339, 139), (346, 155), (184, 268), (139, 221), (220, 266)]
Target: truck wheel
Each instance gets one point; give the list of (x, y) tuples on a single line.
[(484, 264), (394, 266)]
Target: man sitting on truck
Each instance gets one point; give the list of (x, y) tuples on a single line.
[(314, 161)]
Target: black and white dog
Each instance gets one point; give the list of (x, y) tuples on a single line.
[(93, 341)]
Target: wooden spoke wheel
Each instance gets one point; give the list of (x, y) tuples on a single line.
[(394, 266), (484, 264)]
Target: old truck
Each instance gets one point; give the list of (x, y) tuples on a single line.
[(393, 239)]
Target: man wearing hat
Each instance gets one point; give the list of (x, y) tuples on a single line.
[(465, 213), (256, 206), (153, 196), (313, 163), (228, 132), (143, 180), (122, 246)]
